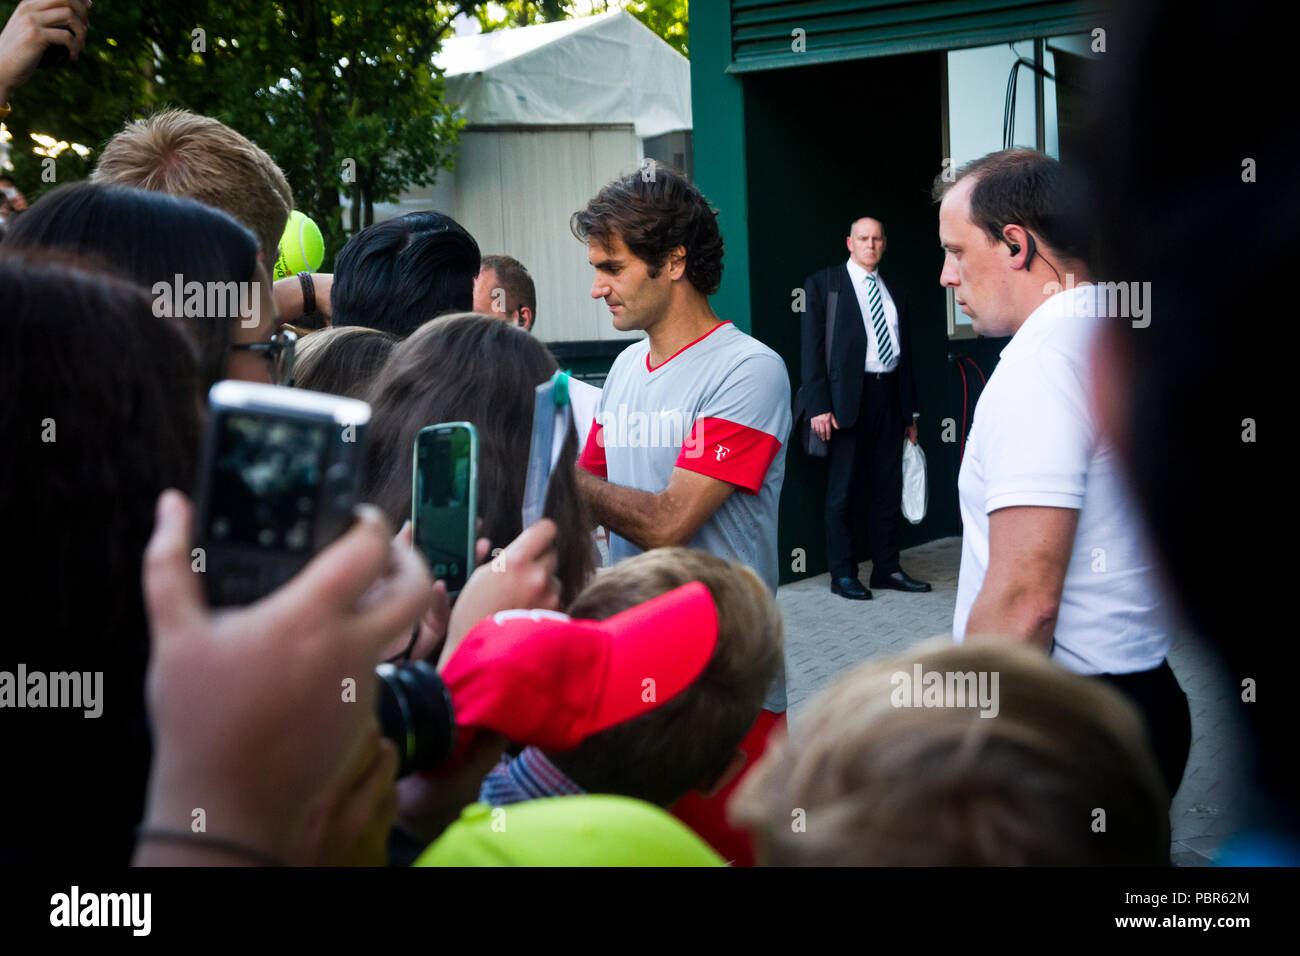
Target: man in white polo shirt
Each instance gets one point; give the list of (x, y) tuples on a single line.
[(1053, 549), (688, 444)]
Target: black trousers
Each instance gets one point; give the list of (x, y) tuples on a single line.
[(866, 472), (1168, 717)]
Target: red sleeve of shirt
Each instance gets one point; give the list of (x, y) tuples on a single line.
[(729, 452), (593, 453)]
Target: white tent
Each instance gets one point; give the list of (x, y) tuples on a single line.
[(608, 68), (553, 113)]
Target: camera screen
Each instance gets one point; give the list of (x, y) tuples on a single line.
[(266, 481), (442, 507)]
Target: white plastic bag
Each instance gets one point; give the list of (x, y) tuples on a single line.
[(916, 490)]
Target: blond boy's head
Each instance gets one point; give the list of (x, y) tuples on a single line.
[(1060, 772), (184, 154)]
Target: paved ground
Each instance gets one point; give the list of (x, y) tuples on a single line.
[(827, 635)]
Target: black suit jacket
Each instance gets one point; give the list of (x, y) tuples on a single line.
[(839, 389)]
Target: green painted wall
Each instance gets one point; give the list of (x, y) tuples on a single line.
[(776, 34), (719, 134)]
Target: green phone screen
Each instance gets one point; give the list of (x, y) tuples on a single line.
[(444, 505)]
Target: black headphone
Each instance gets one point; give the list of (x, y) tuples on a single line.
[(1015, 247)]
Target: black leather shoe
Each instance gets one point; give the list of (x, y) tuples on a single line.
[(898, 581), (850, 588)]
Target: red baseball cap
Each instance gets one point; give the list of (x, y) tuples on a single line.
[(545, 679)]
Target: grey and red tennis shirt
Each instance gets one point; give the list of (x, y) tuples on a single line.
[(720, 407)]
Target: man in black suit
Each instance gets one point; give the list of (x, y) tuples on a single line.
[(863, 404)]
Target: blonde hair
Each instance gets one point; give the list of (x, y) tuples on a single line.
[(881, 781), (184, 154), (342, 361), (687, 742)]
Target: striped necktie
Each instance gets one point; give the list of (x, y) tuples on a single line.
[(884, 346)]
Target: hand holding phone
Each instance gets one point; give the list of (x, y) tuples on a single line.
[(313, 783), (40, 33)]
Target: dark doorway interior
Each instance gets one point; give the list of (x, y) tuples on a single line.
[(825, 145)]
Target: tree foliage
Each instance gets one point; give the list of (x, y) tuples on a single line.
[(315, 83), (667, 18), (523, 13)]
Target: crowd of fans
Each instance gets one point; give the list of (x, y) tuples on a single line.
[(237, 713)]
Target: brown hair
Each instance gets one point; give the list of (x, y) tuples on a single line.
[(474, 368), (687, 742), (879, 781), (516, 282), (1026, 188), (182, 153), (342, 361), (654, 210)]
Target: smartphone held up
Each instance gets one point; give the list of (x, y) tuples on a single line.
[(444, 500), (278, 481)]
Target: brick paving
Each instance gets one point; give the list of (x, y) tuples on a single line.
[(827, 635)]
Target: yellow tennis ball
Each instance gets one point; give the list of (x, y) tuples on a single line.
[(302, 248)]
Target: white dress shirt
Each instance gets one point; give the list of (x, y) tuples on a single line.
[(860, 287)]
